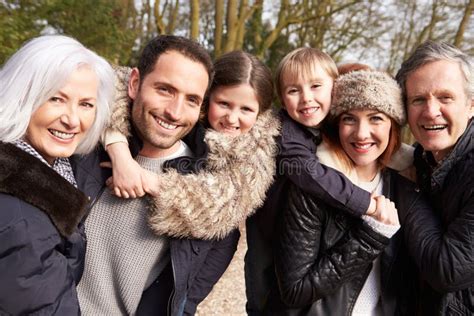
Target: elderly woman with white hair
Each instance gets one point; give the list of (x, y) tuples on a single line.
[(54, 103)]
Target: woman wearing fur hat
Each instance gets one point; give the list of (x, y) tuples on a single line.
[(54, 102), (328, 262)]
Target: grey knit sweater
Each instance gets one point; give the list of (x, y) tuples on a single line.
[(123, 255)]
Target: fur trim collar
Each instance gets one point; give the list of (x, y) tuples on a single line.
[(213, 202), (30, 180)]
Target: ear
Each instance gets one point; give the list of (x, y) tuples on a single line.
[(134, 83), (471, 108)]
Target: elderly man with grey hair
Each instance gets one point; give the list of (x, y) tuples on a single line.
[(437, 83)]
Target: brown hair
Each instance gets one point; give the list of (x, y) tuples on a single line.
[(239, 67), (164, 43), (301, 62), (331, 136)]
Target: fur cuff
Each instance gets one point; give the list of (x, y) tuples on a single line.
[(210, 204), (120, 118)]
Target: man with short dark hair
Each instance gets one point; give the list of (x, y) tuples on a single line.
[(128, 269), (437, 82)]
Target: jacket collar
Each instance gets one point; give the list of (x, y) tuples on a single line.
[(464, 145), (30, 180)]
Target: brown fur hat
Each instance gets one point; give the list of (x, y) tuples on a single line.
[(368, 89)]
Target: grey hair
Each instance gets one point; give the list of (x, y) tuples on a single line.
[(431, 51), (37, 71)]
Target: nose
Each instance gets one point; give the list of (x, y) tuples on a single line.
[(307, 95), (231, 117), (432, 108), (362, 130), (175, 108), (70, 116)]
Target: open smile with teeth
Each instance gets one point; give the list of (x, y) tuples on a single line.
[(363, 146), (308, 111), (166, 125), (434, 127), (230, 128), (61, 135)]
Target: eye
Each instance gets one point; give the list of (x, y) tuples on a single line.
[(292, 91), (347, 119), (248, 109), (163, 89), (223, 104), (315, 85), (55, 99), (417, 101), (377, 119), (195, 101), (446, 99), (87, 104)]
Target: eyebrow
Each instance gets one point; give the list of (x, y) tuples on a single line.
[(66, 96)]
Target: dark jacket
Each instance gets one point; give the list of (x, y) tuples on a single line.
[(42, 242), (296, 163), (196, 265), (441, 240), (323, 256)]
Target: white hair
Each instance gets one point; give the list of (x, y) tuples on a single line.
[(38, 70)]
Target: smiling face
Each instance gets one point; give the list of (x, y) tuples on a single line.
[(233, 110), (438, 106), (57, 127), (364, 136), (168, 102), (307, 99)]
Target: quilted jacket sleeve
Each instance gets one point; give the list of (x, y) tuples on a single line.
[(444, 254), (305, 271)]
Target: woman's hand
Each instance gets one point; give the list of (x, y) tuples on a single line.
[(385, 211)]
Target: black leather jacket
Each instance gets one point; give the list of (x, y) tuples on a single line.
[(323, 256), (442, 239)]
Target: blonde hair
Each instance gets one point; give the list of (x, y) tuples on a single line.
[(301, 62)]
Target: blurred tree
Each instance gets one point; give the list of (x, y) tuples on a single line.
[(464, 23), (19, 21)]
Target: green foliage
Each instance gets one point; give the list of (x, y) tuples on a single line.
[(98, 24), (19, 21)]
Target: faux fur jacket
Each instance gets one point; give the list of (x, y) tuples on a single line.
[(233, 185), (214, 201)]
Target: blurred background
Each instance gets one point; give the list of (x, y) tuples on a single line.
[(380, 33)]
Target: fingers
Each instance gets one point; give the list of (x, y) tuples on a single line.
[(122, 192), (106, 164), (386, 212)]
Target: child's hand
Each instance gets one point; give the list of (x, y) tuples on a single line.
[(151, 182), (385, 211), (127, 179)]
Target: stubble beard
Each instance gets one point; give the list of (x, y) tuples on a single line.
[(146, 128)]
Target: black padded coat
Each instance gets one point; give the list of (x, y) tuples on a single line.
[(442, 240), (42, 241)]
